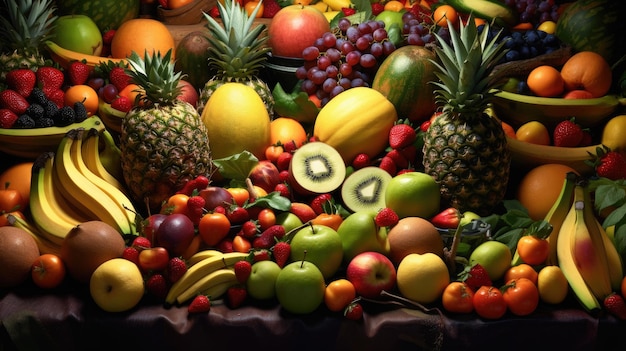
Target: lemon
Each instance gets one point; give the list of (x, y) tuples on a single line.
[(236, 121), (552, 285), (422, 277), (613, 133), (547, 26)]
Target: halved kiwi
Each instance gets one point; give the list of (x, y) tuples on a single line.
[(365, 189), (316, 168)]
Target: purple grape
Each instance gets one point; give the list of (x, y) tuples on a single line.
[(310, 53)]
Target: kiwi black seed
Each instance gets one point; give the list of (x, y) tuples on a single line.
[(365, 189), (316, 167)]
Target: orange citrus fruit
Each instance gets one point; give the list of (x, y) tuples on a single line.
[(130, 91), (540, 188), (444, 14), (394, 5), (338, 294), (533, 132), (588, 71), (85, 94), (545, 81), (285, 130), (142, 35), (18, 176), (251, 5)]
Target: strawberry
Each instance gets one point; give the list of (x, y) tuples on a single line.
[(281, 251), (567, 134), (199, 304), (270, 8), (12, 100), (268, 237), (609, 164), (195, 208), (290, 146), (49, 78), (214, 12), (261, 255), (141, 243), (164, 4), (398, 158), (236, 296), (249, 229), (57, 96), (237, 214), (119, 78), (614, 303), (386, 217), (348, 11), (225, 245), (476, 276), (7, 118), (377, 8), (78, 72), (361, 160), (587, 139), (424, 125), (283, 189), (388, 165), (107, 36), (22, 80), (317, 204), (132, 254), (447, 219), (122, 103), (354, 311), (242, 270), (401, 135), (201, 182), (410, 153), (176, 268), (283, 161), (156, 285)]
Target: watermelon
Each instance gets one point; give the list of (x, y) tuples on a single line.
[(108, 14), (404, 79), (192, 58), (594, 25)]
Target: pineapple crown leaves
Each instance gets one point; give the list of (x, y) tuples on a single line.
[(156, 75), (464, 68), (236, 48), (27, 24)]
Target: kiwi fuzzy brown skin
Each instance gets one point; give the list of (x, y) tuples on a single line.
[(18, 251), (316, 168), (365, 189)]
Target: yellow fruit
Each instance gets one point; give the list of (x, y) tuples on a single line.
[(552, 285), (422, 277), (533, 132), (613, 133), (547, 26), (236, 121)]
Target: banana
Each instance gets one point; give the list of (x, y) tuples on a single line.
[(557, 215), (223, 277), (322, 6), (45, 245), (64, 56), (202, 255), (111, 155), (91, 156), (202, 269), (530, 155), (490, 10), (81, 191), (47, 210), (337, 5)]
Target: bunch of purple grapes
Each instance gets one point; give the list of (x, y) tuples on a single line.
[(344, 58), (535, 11), (416, 31)]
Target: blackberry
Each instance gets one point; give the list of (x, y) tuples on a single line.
[(36, 111), (80, 111), (50, 109), (44, 122), (24, 121), (64, 117), (37, 96)]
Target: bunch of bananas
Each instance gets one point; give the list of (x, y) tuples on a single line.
[(73, 186), (581, 247), (210, 273)]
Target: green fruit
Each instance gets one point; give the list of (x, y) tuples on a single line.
[(494, 256), (359, 233), (78, 33), (288, 220), (413, 194), (300, 287), (390, 18), (320, 245), (262, 280), (108, 14), (192, 54)]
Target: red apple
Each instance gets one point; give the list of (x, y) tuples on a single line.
[(294, 28), (265, 175), (151, 225), (578, 94), (188, 92), (371, 273)]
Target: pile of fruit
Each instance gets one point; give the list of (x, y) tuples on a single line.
[(386, 171)]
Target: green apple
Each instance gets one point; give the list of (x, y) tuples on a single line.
[(300, 287), (413, 194), (116, 285), (288, 220), (359, 233), (262, 280), (390, 18), (494, 256), (320, 245), (78, 33)]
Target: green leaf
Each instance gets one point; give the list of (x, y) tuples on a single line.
[(236, 167), (295, 105), (272, 200)]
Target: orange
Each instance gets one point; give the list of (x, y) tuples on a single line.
[(394, 5), (285, 130), (540, 188), (174, 4), (522, 270), (251, 5), (545, 81), (444, 14), (338, 294), (588, 71), (142, 35), (533, 132), (85, 94), (130, 91), (18, 176)]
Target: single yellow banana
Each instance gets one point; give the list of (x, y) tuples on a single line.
[(45, 246), (111, 155), (47, 211), (527, 154), (568, 263), (209, 283), (64, 56), (217, 291), (337, 5), (202, 269), (321, 5), (75, 186), (202, 255), (91, 155), (557, 215)]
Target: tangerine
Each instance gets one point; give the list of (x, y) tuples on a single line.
[(142, 35), (533, 132), (589, 71), (18, 176), (251, 5), (545, 81), (445, 15), (394, 5), (285, 130), (85, 94), (541, 187)]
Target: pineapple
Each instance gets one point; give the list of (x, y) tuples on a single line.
[(465, 148), (25, 25), (236, 53), (164, 142)]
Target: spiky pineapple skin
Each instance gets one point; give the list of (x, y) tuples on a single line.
[(257, 84), (162, 148), (470, 160)]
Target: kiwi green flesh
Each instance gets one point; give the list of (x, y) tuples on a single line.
[(317, 167), (365, 189)]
